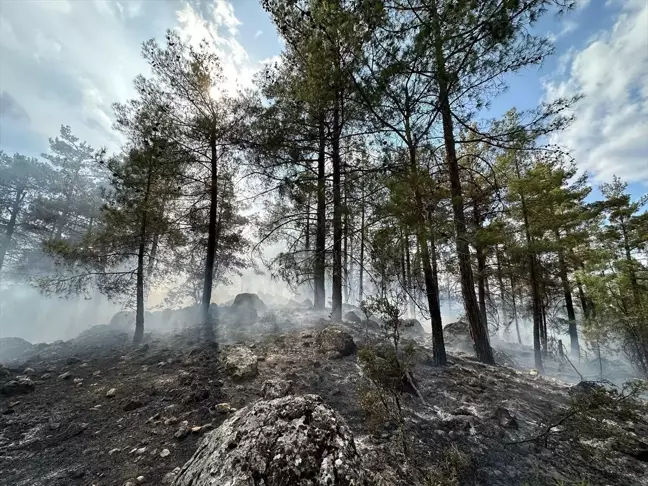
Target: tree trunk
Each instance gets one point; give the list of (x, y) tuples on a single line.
[(569, 303), (545, 337), (362, 247), (634, 285), (15, 209), (319, 299), (477, 325), (500, 281), (345, 232), (211, 245), (336, 291), (438, 344), (515, 314), (139, 309), (408, 269)]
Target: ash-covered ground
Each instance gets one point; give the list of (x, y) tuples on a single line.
[(98, 411)]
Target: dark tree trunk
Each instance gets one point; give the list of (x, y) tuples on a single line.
[(514, 309), (438, 344), (139, 292), (545, 337), (319, 299), (500, 281), (569, 302), (336, 291), (408, 265), (345, 232), (11, 226), (211, 246), (362, 248), (477, 325), (634, 285)]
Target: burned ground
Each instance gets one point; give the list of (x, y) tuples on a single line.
[(170, 392)]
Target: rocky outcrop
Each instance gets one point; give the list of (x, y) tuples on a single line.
[(297, 441), (241, 363), (336, 341)]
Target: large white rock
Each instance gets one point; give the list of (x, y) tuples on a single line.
[(297, 441)]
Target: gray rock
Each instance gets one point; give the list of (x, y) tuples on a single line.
[(249, 300), (65, 376), (352, 317), (505, 419), (111, 393), (277, 388), (334, 339), (290, 440), (20, 386), (241, 363), (73, 360), (132, 404), (412, 328)]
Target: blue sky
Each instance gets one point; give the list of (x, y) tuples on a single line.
[(66, 61)]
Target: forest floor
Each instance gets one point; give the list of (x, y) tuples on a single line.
[(98, 411)]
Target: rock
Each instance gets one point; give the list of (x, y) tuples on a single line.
[(4, 372), (223, 408), (28, 371), (352, 317), (113, 451), (241, 363), (335, 339), (249, 300), (73, 360), (457, 335), (183, 431), (196, 429), (412, 328), (13, 348), (141, 479), (20, 386), (171, 421), (142, 349), (505, 419), (111, 393), (65, 376), (165, 452), (277, 388), (46, 376), (140, 451), (287, 441), (131, 405)]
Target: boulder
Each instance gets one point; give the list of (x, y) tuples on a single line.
[(412, 328), (123, 320), (352, 317), (249, 300), (241, 363), (13, 348), (20, 386), (334, 339), (277, 388), (295, 441), (457, 335)]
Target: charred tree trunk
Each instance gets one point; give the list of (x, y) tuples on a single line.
[(319, 299), (408, 269), (477, 325), (139, 309), (514, 309), (569, 302), (336, 291), (634, 285), (362, 247), (11, 226), (211, 245), (345, 232), (500, 281)]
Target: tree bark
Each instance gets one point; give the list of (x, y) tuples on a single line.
[(139, 309), (569, 302), (408, 269), (438, 344), (11, 226), (478, 327), (336, 291), (319, 299), (362, 247), (211, 245)]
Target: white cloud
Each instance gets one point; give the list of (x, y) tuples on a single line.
[(258, 34), (66, 62), (610, 133)]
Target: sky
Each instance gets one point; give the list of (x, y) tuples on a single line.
[(67, 61)]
